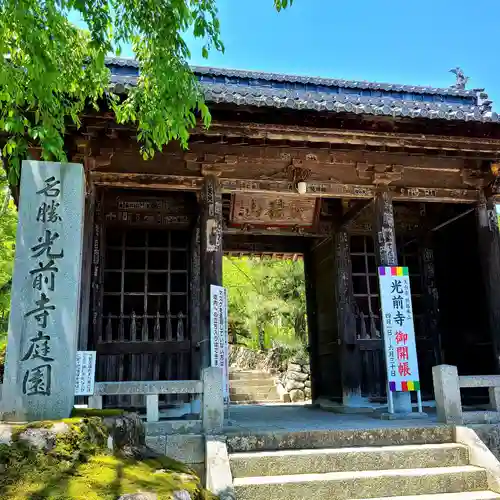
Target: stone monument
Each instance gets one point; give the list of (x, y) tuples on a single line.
[(43, 327)]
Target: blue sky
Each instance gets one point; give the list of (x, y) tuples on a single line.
[(412, 42)]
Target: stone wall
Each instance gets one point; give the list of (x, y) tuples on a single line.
[(243, 358), (296, 380), (490, 436)]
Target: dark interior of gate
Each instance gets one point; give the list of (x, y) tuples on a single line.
[(145, 303)]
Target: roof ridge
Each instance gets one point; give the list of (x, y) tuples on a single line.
[(313, 80)]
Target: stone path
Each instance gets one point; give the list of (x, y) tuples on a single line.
[(295, 417)]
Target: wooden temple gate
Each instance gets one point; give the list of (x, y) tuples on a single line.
[(377, 192)]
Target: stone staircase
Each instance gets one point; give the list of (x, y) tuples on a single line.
[(251, 386), (404, 464)]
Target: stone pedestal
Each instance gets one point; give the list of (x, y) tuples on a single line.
[(44, 319), (447, 394)]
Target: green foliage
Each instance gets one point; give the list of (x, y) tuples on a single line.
[(50, 70), (266, 296), (8, 226)]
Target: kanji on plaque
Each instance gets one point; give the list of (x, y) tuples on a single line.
[(399, 331)]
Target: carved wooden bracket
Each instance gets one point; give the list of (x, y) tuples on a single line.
[(379, 174), (210, 164), (473, 178), (104, 158)]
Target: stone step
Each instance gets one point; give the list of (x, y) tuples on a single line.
[(238, 441), (251, 382), (252, 388), (249, 375), (267, 396), (468, 495), (261, 393), (362, 484), (322, 461)]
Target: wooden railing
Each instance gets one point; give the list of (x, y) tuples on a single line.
[(447, 385), (209, 389)]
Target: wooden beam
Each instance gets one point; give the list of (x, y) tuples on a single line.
[(487, 147), (353, 212), (314, 189)]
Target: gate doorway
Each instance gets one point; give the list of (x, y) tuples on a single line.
[(268, 334)]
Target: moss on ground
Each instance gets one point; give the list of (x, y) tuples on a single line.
[(105, 477), (80, 468)]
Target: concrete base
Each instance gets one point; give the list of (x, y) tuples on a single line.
[(403, 416), (402, 402)]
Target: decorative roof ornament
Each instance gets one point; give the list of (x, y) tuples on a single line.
[(461, 78)]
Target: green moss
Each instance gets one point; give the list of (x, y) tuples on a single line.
[(89, 412), (80, 468), (106, 477)]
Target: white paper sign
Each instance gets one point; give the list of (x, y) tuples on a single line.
[(85, 373), (399, 331), (219, 334)]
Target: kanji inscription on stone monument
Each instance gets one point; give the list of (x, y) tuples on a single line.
[(43, 326)]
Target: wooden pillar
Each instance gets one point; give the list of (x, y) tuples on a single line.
[(489, 254), (431, 297), (386, 253), (384, 232), (211, 257), (87, 257), (351, 359), (312, 326), (195, 299)]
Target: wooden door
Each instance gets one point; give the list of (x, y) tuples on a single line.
[(142, 330)]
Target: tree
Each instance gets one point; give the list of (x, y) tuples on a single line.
[(50, 70), (8, 225), (266, 296)]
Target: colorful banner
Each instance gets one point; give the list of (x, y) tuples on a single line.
[(497, 210), (219, 347), (399, 331)]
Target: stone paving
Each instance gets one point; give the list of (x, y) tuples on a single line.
[(303, 417)]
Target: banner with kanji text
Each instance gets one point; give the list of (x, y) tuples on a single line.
[(399, 331)]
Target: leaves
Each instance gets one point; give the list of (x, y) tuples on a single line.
[(266, 295), (50, 70), (282, 4), (8, 225)]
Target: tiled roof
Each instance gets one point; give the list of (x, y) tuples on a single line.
[(325, 94)]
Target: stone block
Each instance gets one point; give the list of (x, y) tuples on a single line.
[(306, 368), (157, 443), (45, 303), (293, 385), (494, 393), (218, 469), (152, 409), (296, 395), (307, 393), (300, 377), (213, 400), (307, 383), (447, 394), (292, 367), (186, 448)]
